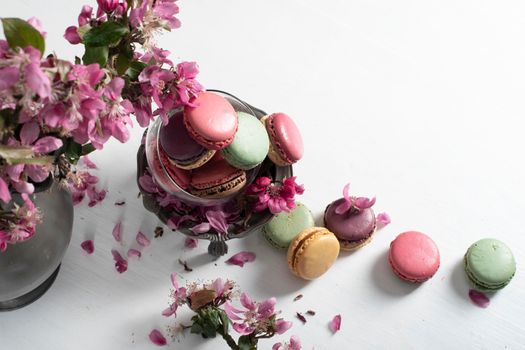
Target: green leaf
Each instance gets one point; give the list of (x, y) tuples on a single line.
[(225, 321), (87, 149), (245, 343), (72, 151), (19, 33), (96, 55), (106, 34), (135, 68)]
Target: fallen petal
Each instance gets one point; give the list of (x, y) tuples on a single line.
[(382, 220), (157, 338), (121, 264), (190, 243), (241, 258), (117, 232), (277, 346), (170, 310), (479, 298), (201, 228), (88, 246), (134, 253), (281, 326), (335, 324), (142, 239)]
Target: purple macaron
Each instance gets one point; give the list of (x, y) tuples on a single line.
[(179, 146)]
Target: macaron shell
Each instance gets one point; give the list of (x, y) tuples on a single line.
[(312, 253), (197, 162), (217, 179), (180, 176), (283, 228), (414, 256), (250, 144), (213, 122), (352, 226), (285, 137), (490, 264), (177, 142)]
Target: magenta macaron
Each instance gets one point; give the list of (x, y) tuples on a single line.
[(211, 121), (286, 143), (414, 256)]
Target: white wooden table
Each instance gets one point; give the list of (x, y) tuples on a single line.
[(418, 102)]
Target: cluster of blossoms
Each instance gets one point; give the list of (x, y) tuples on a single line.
[(18, 224), (53, 112), (276, 197), (212, 303)]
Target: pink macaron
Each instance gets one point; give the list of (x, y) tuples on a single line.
[(414, 256), (286, 143), (212, 122)]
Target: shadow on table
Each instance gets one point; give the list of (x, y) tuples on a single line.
[(459, 280), (385, 279)]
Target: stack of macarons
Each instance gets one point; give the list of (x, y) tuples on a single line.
[(208, 148)]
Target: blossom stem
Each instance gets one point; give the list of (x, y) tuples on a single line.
[(229, 340)]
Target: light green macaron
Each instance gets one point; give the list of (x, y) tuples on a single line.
[(283, 227), (490, 265), (250, 145)]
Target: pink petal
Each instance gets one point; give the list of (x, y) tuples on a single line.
[(8, 77), (217, 220), (157, 338), (170, 310), (382, 220), (281, 326), (266, 309), (364, 202), (241, 258), (277, 346), (335, 324), (114, 88), (134, 253), (343, 207), (174, 282), (346, 193), (190, 243), (117, 232), (142, 240), (242, 328), (37, 81), (47, 144), (147, 184), (232, 312), (247, 302), (5, 195), (72, 36), (29, 133), (201, 228), (295, 343), (120, 263), (479, 298), (88, 246), (88, 163)]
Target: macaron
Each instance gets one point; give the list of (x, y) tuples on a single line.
[(286, 143), (283, 227), (490, 265), (180, 176), (217, 179), (180, 147), (312, 252), (414, 256), (250, 145), (354, 228), (211, 121)]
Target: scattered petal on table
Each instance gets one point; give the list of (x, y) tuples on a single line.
[(142, 239), (121, 264), (117, 232), (382, 220), (134, 253), (335, 324), (190, 243), (157, 338), (241, 258), (479, 298), (88, 246)]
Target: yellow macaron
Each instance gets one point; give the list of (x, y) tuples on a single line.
[(312, 252)]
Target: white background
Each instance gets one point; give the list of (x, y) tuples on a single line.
[(418, 102)]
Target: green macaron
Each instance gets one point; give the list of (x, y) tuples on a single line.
[(250, 144), (283, 227), (490, 265)]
